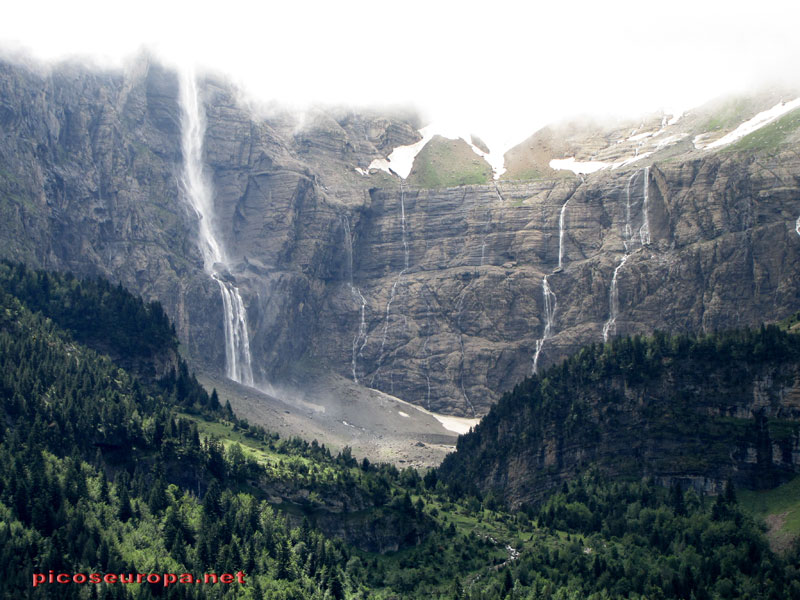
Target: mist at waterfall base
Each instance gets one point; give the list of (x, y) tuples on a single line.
[(500, 72)]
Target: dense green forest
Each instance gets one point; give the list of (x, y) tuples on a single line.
[(129, 466), (668, 406)]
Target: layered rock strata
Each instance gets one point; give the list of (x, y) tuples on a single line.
[(433, 295)]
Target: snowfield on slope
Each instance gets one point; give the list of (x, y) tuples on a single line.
[(401, 159), (760, 120)]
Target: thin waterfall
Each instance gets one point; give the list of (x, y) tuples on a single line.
[(627, 242), (628, 237), (397, 281), (459, 308), (427, 354), (613, 301), (403, 222), (549, 317), (797, 226), (199, 193), (486, 226), (561, 233), (644, 231), (360, 338)]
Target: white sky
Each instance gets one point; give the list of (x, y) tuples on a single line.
[(500, 69)]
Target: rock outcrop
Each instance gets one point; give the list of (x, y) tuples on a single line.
[(433, 295)]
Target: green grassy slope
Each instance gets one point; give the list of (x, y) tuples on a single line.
[(779, 509), (770, 136), (448, 163)]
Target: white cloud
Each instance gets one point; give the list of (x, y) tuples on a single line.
[(499, 69)]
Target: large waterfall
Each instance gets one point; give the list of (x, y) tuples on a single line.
[(199, 193)]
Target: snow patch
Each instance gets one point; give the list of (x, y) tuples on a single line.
[(641, 136), (672, 139), (676, 116), (460, 425), (630, 160), (579, 168), (583, 168), (402, 414), (381, 164), (760, 120), (401, 159), (699, 140)]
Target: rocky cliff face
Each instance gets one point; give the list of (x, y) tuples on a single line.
[(454, 294), (434, 295), (697, 413)]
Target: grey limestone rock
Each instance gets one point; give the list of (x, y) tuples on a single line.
[(451, 279)]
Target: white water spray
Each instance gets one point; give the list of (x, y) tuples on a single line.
[(199, 194), (797, 226), (360, 338), (549, 317)]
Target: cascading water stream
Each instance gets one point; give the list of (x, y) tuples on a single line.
[(360, 338), (486, 226), (550, 300), (613, 301), (403, 223), (199, 194), (797, 226), (549, 317), (561, 234), (237, 340), (397, 281), (610, 326), (628, 237), (459, 309), (644, 231), (488, 223)]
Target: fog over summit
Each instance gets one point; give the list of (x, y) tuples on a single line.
[(501, 72)]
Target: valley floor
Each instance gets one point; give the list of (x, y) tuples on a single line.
[(338, 413)]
